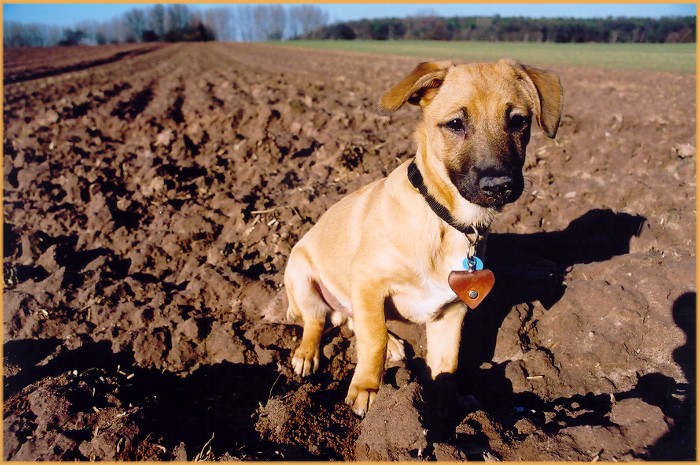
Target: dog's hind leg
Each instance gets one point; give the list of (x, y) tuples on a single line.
[(305, 302)]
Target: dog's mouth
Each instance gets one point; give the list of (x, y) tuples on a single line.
[(493, 190)]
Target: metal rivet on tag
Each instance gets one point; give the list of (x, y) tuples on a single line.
[(473, 294)]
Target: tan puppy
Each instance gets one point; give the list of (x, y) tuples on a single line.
[(383, 246)]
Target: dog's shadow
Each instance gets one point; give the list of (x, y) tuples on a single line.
[(532, 267), (528, 268)]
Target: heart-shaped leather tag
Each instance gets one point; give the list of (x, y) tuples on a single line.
[(471, 287)]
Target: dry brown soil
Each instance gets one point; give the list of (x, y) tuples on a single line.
[(153, 193)]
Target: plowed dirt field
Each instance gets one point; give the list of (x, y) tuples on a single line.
[(153, 193)]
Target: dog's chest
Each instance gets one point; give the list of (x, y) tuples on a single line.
[(422, 304), (424, 299)]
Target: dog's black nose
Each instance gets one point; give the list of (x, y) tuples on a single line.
[(500, 187)]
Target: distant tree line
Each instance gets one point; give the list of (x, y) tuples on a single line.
[(175, 23), (179, 22), (497, 28)]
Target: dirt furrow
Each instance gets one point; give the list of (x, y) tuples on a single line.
[(82, 65)]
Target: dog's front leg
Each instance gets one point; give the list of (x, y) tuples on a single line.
[(371, 338), (443, 337)]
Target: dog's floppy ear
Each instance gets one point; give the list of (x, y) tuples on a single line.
[(417, 88), (548, 96)]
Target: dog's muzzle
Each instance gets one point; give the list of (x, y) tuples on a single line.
[(490, 190)]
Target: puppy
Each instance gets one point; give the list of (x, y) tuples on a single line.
[(393, 243)]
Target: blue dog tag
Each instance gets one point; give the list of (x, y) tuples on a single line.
[(478, 264)]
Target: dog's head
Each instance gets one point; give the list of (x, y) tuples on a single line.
[(477, 120)]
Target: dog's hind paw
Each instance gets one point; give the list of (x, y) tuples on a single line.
[(395, 350), (305, 362)]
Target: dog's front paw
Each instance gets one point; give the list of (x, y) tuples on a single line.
[(359, 399), (306, 360)]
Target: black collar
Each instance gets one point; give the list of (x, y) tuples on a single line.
[(416, 178)]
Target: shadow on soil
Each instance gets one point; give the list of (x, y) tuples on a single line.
[(215, 406), (675, 399), (538, 274), (531, 267)]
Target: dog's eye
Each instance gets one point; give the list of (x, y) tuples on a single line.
[(456, 125), (518, 122)]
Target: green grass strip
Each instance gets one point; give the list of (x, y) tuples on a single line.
[(675, 58)]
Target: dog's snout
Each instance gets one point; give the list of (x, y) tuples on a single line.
[(491, 188), (498, 187)]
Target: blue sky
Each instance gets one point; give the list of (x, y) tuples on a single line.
[(70, 14)]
